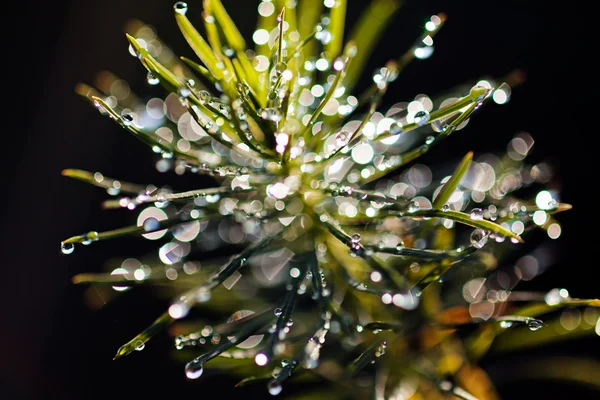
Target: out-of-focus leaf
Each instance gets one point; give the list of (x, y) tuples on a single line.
[(336, 25), (450, 186), (199, 45), (463, 218), (366, 34), (138, 342), (97, 179), (230, 31)]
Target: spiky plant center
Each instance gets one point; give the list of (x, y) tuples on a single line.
[(301, 165)]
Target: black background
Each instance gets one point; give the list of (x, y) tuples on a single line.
[(53, 346)]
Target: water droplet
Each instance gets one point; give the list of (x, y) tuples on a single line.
[(355, 238), (506, 324), (274, 388), (476, 214), (277, 312), (271, 114), (477, 93), (203, 96), (446, 207), (180, 7), (127, 119), (421, 117), (194, 369), (152, 80), (381, 349), (499, 238), (280, 67), (67, 248), (179, 342), (534, 324), (400, 246), (139, 345), (90, 237), (414, 206), (396, 128), (440, 125), (479, 238), (134, 53), (290, 322), (341, 138), (184, 91), (151, 224), (429, 139)]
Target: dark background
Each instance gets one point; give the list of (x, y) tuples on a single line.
[(53, 346)]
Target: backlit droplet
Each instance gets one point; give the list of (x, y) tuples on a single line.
[(421, 117), (139, 345), (355, 238), (439, 126), (477, 93), (479, 238), (151, 224), (271, 114), (178, 310), (534, 324), (280, 67), (127, 119), (89, 238), (67, 248), (446, 208), (277, 312), (203, 96), (476, 214), (193, 370), (395, 128), (400, 246), (414, 206), (184, 91), (179, 342), (499, 238), (506, 324), (274, 388), (152, 80), (341, 138), (180, 7)]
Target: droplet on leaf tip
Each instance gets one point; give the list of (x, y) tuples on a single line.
[(67, 248), (180, 7)]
